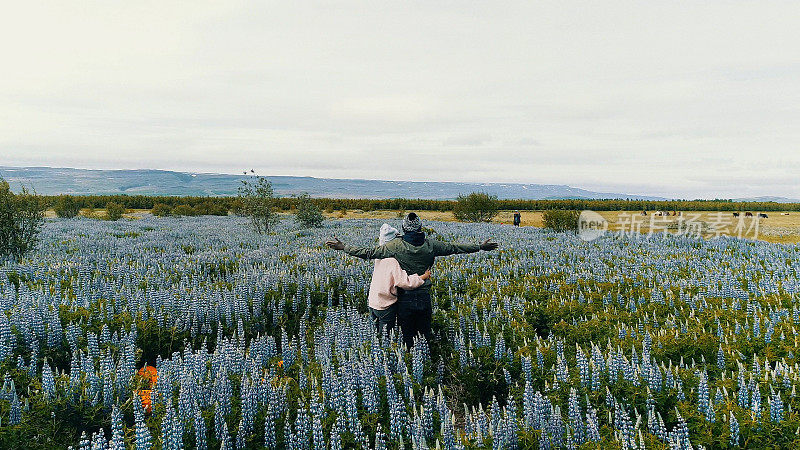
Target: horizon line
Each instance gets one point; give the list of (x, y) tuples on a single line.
[(496, 183)]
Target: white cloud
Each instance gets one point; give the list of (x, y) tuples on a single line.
[(688, 99)]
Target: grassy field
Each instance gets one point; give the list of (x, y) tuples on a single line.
[(99, 213), (529, 218), (779, 227)]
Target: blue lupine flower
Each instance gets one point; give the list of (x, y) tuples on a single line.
[(200, 433), (734, 431), (117, 431), (143, 437)]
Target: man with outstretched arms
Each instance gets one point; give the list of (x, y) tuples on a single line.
[(416, 254)]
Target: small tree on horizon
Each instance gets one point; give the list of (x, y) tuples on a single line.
[(561, 219), (114, 211), (476, 207), (21, 219), (257, 201), (66, 207), (307, 212), (184, 210), (161, 210)]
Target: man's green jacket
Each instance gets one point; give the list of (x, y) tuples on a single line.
[(413, 259)]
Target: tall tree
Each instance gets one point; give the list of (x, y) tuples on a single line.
[(21, 218), (258, 202), (308, 213)]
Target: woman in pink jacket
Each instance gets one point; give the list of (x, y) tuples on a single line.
[(386, 278)]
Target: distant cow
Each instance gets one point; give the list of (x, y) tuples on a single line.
[(748, 214), (735, 214), (762, 216)]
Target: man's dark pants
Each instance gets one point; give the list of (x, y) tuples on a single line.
[(414, 313), (384, 319)]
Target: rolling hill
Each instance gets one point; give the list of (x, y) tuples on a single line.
[(52, 181)]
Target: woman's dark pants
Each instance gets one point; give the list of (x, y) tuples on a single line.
[(384, 320)]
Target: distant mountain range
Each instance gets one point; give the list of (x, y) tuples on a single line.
[(52, 181)]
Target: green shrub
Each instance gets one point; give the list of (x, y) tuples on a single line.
[(307, 213), (21, 218), (561, 220), (210, 208), (66, 207), (237, 207), (114, 211), (258, 202), (184, 210), (476, 207), (161, 210)]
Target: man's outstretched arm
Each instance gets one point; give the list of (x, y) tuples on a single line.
[(361, 252), (445, 249)]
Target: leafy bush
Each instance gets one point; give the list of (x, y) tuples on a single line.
[(184, 210), (114, 211), (21, 217), (211, 208), (258, 203), (161, 210), (561, 220), (236, 207), (66, 207), (308, 213), (476, 207)]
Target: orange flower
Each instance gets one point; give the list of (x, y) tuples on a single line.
[(144, 395), (280, 364), (150, 374)]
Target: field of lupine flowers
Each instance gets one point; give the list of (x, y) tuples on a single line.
[(196, 333)]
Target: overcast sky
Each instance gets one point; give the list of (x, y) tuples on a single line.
[(666, 98)]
